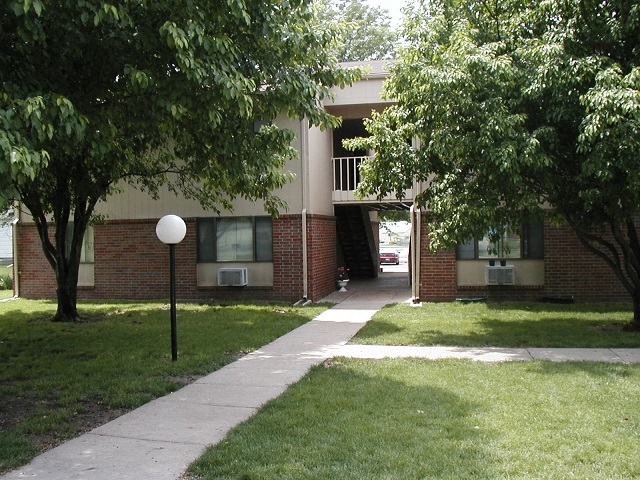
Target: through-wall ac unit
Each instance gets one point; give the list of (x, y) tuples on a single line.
[(500, 275), (232, 277)]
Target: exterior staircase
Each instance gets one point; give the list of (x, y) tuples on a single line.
[(356, 241)]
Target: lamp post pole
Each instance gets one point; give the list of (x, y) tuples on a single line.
[(174, 327), (171, 230)]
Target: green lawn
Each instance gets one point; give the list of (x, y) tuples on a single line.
[(447, 419), (59, 379), (501, 325), (452, 419), (347, 419), (4, 294)]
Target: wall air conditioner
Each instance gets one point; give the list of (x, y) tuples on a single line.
[(500, 275), (232, 277)]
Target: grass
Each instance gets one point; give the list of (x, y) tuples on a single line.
[(5, 294), (450, 419), (59, 379), (447, 419), (348, 418), (502, 325)]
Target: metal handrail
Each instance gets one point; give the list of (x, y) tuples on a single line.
[(346, 172)]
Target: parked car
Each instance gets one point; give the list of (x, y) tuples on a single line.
[(389, 257)]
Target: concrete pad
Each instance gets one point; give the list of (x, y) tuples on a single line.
[(181, 422), (95, 457), (628, 355), (355, 315), (485, 354), (574, 354), (275, 371), (434, 353), (209, 392)]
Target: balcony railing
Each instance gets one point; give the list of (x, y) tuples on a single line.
[(346, 173), (346, 178)]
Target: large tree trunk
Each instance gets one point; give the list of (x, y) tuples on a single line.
[(66, 291), (64, 252), (634, 325), (67, 310)]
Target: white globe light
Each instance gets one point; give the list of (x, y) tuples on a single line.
[(171, 229)]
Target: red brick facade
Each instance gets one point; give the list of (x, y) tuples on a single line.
[(321, 238), (131, 263), (570, 270)]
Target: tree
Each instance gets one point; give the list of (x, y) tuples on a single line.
[(517, 104), (364, 33), (98, 94)]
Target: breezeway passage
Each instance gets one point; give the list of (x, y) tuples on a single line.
[(160, 439)]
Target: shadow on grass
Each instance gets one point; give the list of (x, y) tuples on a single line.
[(341, 422), (492, 332), (118, 360), (502, 325), (552, 307)]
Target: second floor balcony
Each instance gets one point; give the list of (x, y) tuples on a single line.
[(346, 178)]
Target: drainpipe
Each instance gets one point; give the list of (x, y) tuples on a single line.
[(16, 269), (305, 263), (304, 157), (416, 226)]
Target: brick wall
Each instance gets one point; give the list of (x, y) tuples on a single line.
[(287, 258), (437, 273), (35, 276), (321, 236), (131, 263), (570, 269)]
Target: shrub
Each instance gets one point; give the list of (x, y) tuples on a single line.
[(6, 282)]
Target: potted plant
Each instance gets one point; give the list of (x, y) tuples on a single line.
[(497, 247), (343, 278)]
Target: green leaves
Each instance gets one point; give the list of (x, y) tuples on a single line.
[(358, 32), (23, 7), (97, 93), (512, 103)]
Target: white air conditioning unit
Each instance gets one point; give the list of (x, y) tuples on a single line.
[(500, 275), (232, 277)]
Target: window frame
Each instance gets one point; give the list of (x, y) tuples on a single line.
[(87, 250), (212, 253), (530, 232)]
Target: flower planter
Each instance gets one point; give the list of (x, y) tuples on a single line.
[(342, 284)]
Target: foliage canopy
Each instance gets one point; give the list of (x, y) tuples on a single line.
[(364, 32), (96, 93), (518, 105)]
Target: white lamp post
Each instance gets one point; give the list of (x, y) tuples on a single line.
[(171, 230)]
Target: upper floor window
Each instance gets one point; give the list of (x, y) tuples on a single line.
[(529, 244), (235, 239)]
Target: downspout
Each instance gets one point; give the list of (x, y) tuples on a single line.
[(416, 226), (305, 250), (304, 158), (416, 233), (14, 241)]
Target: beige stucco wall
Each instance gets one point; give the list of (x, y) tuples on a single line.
[(527, 272), (132, 203), (313, 170), (259, 274), (320, 181)]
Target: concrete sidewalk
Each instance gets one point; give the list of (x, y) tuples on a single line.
[(160, 439)]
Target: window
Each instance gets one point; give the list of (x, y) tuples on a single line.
[(509, 245), (86, 255), (235, 239)]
